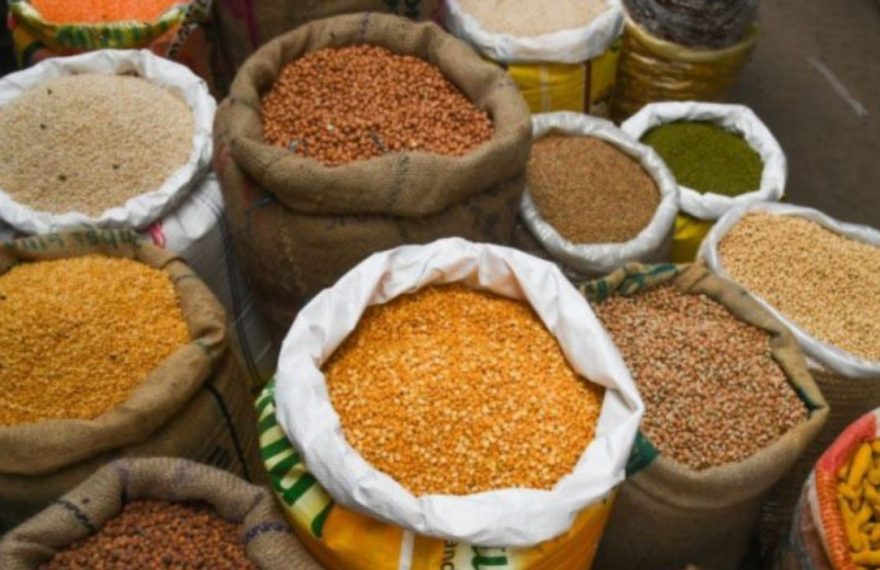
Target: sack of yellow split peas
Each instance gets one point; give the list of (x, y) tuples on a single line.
[(837, 521)]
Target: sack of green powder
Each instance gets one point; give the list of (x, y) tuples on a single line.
[(669, 514), (194, 405), (650, 244), (730, 170), (86, 509)]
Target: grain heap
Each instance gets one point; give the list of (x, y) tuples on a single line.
[(589, 190), (456, 391), (825, 283), (90, 142), (713, 393), (159, 534), (339, 105), (78, 335), (101, 11), (530, 18)]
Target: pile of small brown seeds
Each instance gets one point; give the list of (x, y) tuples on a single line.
[(456, 391), (713, 393), (150, 534), (87, 143), (339, 105), (589, 190), (825, 283), (78, 335)]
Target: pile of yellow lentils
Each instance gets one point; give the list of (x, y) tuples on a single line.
[(456, 391), (859, 501)]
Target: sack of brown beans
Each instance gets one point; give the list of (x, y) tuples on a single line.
[(110, 347), (563, 56), (449, 405), (595, 198), (729, 408), (821, 277), (325, 156), (157, 513)]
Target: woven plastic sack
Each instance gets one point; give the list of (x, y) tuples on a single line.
[(699, 210), (652, 243), (668, 515), (354, 517), (87, 508), (651, 70), (569, 70), (695, 23)]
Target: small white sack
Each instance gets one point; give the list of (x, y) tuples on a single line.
[(510, 517), (734, 118), (602, 258), (566, 46), (146, 208), (839, 361)]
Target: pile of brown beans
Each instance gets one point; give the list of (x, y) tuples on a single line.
[(157, 534), (339, 105), (713, 393)]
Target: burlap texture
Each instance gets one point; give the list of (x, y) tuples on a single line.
[(194, 405), (88, 507), (300, 225), (675, 515)]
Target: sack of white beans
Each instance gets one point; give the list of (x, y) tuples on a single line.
[(821, 277)]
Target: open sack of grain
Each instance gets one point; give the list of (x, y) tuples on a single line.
[(722, 156), (595, 198), (562, 57), (325, 157), (729, 408), (144, 367), (157, 513), (490, 429), (821, 277)]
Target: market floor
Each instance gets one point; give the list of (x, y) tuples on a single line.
[(815, 80)]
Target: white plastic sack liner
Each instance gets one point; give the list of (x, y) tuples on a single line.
[(601, 258), (839, 361), (141, 210), (566, 46), (734, 118), (509, 517)]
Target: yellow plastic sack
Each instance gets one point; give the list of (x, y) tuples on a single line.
[(689, 234), (651, 69)]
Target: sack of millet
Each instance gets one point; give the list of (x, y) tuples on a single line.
[(448, 406), (110, 347), (729, 408), (324, 156), (132, 512), (821, 278)]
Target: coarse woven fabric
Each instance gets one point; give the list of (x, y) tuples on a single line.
[(80, 513), (194, 405), (679, 516), (300, 225)]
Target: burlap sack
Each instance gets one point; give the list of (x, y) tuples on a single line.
[(88, 507), (667, 515), (194, 405), (299, 225)]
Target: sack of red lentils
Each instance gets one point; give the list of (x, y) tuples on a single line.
[(490, 430), (309, 196), (562, 57), (143, 366), (601, 204), (134, 512), (730, 406), (821, 277), (722, 156)]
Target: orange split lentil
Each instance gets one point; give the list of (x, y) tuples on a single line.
[(456, 391), (78, 335), (101, 11)]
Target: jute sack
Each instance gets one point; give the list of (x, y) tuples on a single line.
[(668, 515), (299, 225), (194, 405), (87, 508)]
